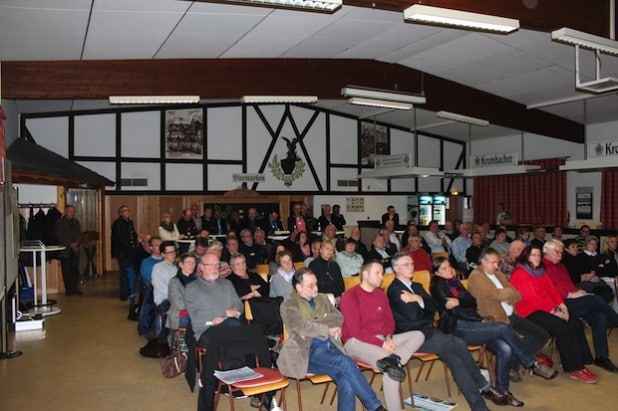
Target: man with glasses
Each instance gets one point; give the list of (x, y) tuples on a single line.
[(414, 309), (296, 221), (211, 301), (314, 346), (162, 272)]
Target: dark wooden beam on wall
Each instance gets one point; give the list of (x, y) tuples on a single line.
[(232, 78)]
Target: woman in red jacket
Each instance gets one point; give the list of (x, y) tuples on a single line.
[(541, 304)]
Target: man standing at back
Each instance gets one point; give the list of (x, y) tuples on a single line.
[(368, 332), (69, 233), (124, 242)]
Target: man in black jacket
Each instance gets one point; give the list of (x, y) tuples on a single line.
[(124, 242), (414, 309)]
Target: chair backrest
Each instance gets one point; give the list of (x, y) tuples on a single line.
[(388, 279), (350, 282), (423, 277), (440, 254), (265, 311), (298, 265), (263, 270), (464, 282), (248, 312)]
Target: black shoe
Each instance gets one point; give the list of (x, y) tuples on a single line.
[(606, 364), (392, 367), (496, 396), (514, 402)]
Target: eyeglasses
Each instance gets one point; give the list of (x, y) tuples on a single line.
[(170, 252)]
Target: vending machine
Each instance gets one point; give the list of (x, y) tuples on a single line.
[(439, 209), (432, 207)]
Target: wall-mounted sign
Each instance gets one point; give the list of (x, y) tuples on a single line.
[(355, 204), (395, 160), (491, 160), (248, 178), (583, 202), (603, 149)]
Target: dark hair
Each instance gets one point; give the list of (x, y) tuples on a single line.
[(567, 243), (154, 237), (395, 257), (282, 254), (350, 240), (499, 231), (202, 242), (437, 262), (187, 255), (525, 255), (166, 244), (521, 230), (487, 251), (297, 278)]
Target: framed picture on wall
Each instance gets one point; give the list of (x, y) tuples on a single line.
[(373, 142), (184, 133)]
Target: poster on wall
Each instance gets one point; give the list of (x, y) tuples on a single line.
[(373, 142), (583, 203), (355, 204), (184, 134)]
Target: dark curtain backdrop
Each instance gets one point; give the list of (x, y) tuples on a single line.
[(609, 200), (531, 198)]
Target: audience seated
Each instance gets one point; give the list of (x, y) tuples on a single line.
[(538, 236), (281, 281), (163, 271), (458, 315), (186, 225), (541, 304), (248, 285), (437, 241), (259, 238), (590, 307), (390, 215), (254, 253), (251, 221), (414, 309), (507, 263), (177, 316), (273, 223), (155, 257), (168, 231), (327, 270), (329, 234), (412, 229), (422, 260), (314, 325), (460, 246), (369, 332), (361, 248), (586, 267), (349, 260), (337, 218), (500, 244), (216, 248), (378, 253), (207, 219), (315, 252), (474, 251), (296, 221), (303, 247), (392, 236)]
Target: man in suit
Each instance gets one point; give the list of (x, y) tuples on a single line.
[(414, 309), (390, 214), (273, 224)]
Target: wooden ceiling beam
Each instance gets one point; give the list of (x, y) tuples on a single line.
[(230, 79)]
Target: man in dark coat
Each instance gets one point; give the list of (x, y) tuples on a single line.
[(124, 243), (69, 233)]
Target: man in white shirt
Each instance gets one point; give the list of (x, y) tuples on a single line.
[(437, 240)]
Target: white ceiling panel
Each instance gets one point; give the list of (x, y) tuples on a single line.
[(207, 35), (128, 35), (336, 38), (463, 50), (141, 5), (423, 38), (41, 34)]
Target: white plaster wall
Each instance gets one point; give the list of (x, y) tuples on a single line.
[(141, 134), (375, 206), (11, 125), (32, 193)]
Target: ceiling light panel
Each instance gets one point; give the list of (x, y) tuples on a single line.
[(460, 19), (585, 40)]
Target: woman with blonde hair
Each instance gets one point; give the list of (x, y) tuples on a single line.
[(168, 231)]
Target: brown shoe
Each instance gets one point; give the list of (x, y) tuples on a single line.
[(514, 402), (496, 396), (514, 375)]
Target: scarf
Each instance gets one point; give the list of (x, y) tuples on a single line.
[(535, 272), (454, 287), (305, 310), (184, 279), (286, 275), (167, 227)]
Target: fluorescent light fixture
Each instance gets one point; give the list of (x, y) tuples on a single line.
[(493, 171), (279, 99), (585, 40), (154, 99), (323, 6), (463, 119), (370, 102), (590, 165), (459, 19), (401, 172), (385, 96), (598, 86)]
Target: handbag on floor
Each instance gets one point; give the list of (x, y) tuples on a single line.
[(176, 363)]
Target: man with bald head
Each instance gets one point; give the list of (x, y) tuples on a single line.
[(507, 264)]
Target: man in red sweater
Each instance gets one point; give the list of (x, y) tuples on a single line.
[(368, 332), (421, 258), (592, 308)]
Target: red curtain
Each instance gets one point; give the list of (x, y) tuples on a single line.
[(609, 200), (530, 198)]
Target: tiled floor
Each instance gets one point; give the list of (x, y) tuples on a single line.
[(88, 360)]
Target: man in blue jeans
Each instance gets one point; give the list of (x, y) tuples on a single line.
[(314, 343)]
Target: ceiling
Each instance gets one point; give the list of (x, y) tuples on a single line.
[(525, 67)]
